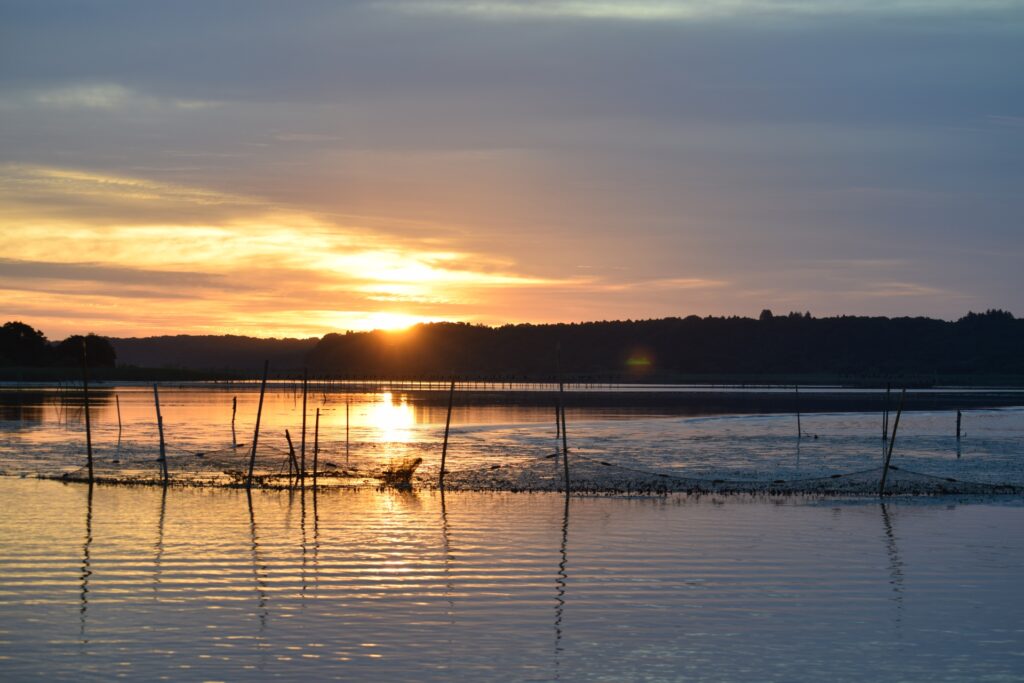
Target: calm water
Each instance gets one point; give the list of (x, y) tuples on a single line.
[(199, 584), (41, 433)]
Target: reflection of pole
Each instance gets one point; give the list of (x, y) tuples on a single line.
[(159, 540), (895, 564), (256, 434), (892, 442), (316, 444), (560, 584), (86, 566), (88, 425), (447, 426), (255, 547), (302, 443), (302, 528)]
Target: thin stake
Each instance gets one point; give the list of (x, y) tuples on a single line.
[(892, 442), (234, 410), (117, 401), (799, 431), (959, 415), (885, 415), (316, 451), (88, 425), (558, 422), (256, 434), (160, 427), (293, 465), (348, 400), (565, 442), (302, 446), (447, 426)]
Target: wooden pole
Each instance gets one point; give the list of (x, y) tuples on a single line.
[(892, 442), (348, 400), (565, 442), (256, 434), (316, 451), (160, 427), (293, 465), (799, 430), (558, 422), (302, 445), (234, 411), (885, 415), (88, 425), (117, 402), (447, 426), (959, 416)]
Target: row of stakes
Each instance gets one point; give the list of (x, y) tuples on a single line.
[(299, 465)]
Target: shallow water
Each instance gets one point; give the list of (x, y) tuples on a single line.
[(43, 432), (196, 584)]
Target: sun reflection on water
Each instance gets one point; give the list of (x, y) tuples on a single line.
[(392, 419)]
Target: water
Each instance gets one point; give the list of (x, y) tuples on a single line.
[(197, 584), (42, 432)]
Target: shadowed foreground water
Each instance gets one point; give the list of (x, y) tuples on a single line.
[(190, 584)]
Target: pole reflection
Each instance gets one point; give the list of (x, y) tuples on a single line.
[(159, 546), (257, 566), (895, 567), (86, 570), (560, 586)]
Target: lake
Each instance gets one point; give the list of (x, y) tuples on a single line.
[(42, 432), (197, 584), (213, 583)]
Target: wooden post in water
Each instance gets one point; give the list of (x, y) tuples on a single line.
[(565, 442), (316, 451), (892, 442), (348, 400), (256, 434), (959, 416), (234, 411), (799, 430), (558, 422), (302, 445), (88, 425), (885, 415), (293, 465), (160, 427), (447, 426), (117, 402)]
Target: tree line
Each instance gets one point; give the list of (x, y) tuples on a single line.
[(24, 346), (990, 343), (987, 344)]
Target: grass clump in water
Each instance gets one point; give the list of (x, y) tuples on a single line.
[(399, 474)]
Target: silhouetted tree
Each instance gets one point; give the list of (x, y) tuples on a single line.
[(22, 345), (99, 350)]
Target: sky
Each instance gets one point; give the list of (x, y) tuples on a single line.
[(294, 169)]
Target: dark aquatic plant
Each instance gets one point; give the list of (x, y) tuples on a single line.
[(399, 474)]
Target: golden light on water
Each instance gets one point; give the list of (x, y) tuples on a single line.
[(391, 420)]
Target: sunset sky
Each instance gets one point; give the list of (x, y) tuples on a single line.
[(272, 169)]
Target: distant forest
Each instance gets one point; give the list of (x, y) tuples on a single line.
[(670, 349), (979, 345)]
